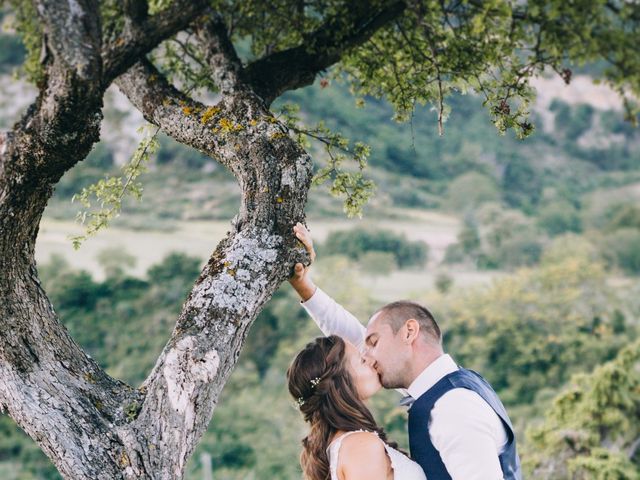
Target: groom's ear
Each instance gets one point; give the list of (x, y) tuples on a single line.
[(412, 330)]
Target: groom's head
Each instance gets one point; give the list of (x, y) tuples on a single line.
[(402, 338)]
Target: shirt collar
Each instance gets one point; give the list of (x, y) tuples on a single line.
[(442, 366)]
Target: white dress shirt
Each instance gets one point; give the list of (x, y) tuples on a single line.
[(464, 429)]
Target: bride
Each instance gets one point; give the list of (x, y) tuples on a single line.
[(330, 382)]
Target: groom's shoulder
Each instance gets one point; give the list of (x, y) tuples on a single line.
[(458, 404)]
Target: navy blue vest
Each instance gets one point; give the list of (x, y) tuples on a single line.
[(423, 451)]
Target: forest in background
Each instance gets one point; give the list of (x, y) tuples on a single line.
[(556, 335)]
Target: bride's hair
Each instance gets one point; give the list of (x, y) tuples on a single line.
[(325, 393)]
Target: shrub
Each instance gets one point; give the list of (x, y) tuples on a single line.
[(173, 152), (522, 185), (532, 330), (354, 243), (378, 263), (573, 122), (454, 254), (568, 246), (559, 217), (469, 238), (12, 52), (76, 290), (175, 265), (592, 425), (519, 251), (623, 216), (443, 282), (115, 261), (622, 248), (470, 190)]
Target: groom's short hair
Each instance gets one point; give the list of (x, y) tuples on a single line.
[(395, 314)]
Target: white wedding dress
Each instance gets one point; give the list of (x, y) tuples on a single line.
[(403, 467)]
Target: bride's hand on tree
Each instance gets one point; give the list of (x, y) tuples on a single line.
[(301, 279)]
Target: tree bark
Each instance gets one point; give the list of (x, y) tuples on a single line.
[(298, 66), (93, 426), (245, 269), (90, 425)]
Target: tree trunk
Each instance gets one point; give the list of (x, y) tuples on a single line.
[(247, 267), (90, 425)]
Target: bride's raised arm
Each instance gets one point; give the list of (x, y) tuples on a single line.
[(329, 315)]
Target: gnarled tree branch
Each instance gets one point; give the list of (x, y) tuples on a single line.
[(143, 33), (247, 266), (136, 11), (220, 54), (73, 35), (177, 114), (297, 67)]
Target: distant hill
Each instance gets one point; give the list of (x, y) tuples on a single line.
[(582, 145)]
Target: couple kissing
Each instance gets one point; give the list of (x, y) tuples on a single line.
[(458, 427)]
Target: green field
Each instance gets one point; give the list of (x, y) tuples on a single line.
[(198, 238)]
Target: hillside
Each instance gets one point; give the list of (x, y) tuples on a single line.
[(580, 169)]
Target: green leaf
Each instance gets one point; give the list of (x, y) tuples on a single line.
[(109, 192)]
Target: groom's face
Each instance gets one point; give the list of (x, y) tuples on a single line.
[(389, 355)]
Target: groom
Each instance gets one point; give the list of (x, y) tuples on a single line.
[(458, 427)]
